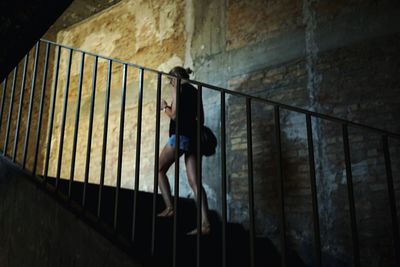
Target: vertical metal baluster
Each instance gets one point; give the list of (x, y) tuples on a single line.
[(311, 161), (349, 176), (138, 142), (41, 107), (105, 134), (77, 115), (281, 185), (10, 110), (250, 182), (32, 95), (21, 104), (64, 117), (223, 179), (392, 199), (3, 96), (51, 119), (176, 183), (121, 144), (199, 173), (90, 131), (156, 163)]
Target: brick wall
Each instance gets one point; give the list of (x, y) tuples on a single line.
[(359, 84)]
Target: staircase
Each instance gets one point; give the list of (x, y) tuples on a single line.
[(211, 252), (128, 217)]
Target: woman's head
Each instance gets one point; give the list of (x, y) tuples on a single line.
[(180, 72)]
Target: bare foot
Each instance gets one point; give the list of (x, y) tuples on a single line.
[(168, 212), (205, 230)]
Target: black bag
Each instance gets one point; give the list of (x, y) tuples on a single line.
[(208, 141)]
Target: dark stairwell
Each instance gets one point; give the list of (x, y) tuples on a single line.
[(359, 161)]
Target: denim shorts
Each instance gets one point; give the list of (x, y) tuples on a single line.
[(184, 142)]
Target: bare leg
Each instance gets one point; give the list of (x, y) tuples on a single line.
[(190, 161), (167, 157)]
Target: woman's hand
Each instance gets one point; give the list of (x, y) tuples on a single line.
[(169, 110), (163, 104)]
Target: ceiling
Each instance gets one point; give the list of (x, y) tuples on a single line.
[(78, 11)]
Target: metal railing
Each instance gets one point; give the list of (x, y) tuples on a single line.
[(277, 108)]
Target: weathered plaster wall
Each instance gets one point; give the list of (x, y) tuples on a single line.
[(36, 231), (154, 36), (27, 87)]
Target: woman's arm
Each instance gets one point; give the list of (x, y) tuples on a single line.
[(171, 110)]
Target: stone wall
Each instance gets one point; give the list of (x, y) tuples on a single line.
[(27, 87), (154, 37)]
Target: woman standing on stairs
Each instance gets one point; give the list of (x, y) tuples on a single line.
[(187, 143)]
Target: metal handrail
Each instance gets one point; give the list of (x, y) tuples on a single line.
[(257, 98)]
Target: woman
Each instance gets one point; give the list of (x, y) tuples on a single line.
[(187, 143)]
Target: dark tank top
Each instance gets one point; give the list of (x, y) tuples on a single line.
[(187, 112)]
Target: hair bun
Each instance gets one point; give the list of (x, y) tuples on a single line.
[(188, 71)]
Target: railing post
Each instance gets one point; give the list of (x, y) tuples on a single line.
[(105, 134), (281, 183), (156, 162), (21, 104), (51, 118), (76, 127), (176, 184), (311, 161), (90, 131), (10, 109), (138, 143), (41, 107), (3, 96), (349, 176), (199, 173), (223, 179), (64, 117), (250, 180), (32, 95), (392, 199), (121, 144)]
